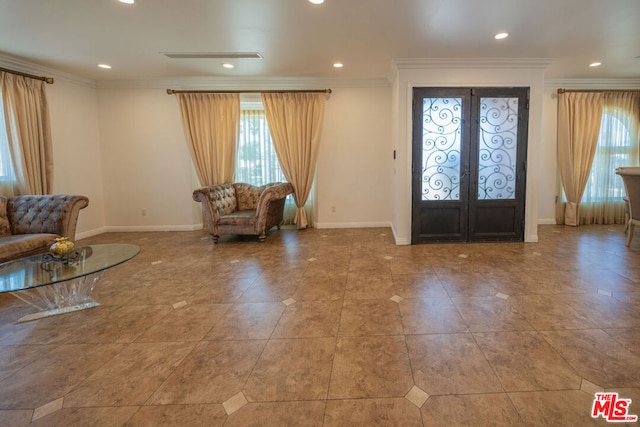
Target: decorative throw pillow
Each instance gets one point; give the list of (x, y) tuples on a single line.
[(5, 228)]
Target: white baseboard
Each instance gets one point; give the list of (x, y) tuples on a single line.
[(381, 224), (91, 233), (546, 221), (147, 228)]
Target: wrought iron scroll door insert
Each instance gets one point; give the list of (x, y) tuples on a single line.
[(469, 164)]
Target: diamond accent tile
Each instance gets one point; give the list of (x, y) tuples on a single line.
[(388, 257), (156, 262), (234, 261), (48, 409), (312, 259), (501, 295), (417, 396), (463, 256), (590, 387), (605, 293), (396, 298), (288, 301), (179, 304), (233, 404), (537, 254)]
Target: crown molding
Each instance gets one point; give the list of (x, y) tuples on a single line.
[(17, 64), (624, 83), (520, 63), (222, 83)]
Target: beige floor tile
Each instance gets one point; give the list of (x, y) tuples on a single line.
[(430, 316), (486, 314), (131, 377), (372, 412), (370, 317), (17, 418), (549, 312), (309, 319), (247, 321), (178, 416), (54, 374), (524, 361), (367, 286), (320, 289), (450, 364), (426, 285), (308, 414), (368, 367), (556, 408), (87, 416), (212, 373), (597, 357), (462, 343), (292, 369), (186, 323), (494, 409)]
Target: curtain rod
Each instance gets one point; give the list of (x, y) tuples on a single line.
[(597, 90), (171, 91), (49, 80)]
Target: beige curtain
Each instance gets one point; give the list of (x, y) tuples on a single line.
[(211, 123), (295, 121), (617, 147), (579, 116), (26, 114)]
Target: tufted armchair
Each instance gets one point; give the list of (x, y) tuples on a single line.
[(29, 224), (238, 208)]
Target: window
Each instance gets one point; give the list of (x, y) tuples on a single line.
[(7, 175), (256, 159), (615, 148)]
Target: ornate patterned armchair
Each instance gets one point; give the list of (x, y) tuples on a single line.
[(238, 208)]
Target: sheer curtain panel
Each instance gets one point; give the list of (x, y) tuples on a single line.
[(295, 121), (211, 123), (28, 131)]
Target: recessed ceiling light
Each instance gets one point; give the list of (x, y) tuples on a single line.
[(227, 65), (316, 1), (105, 66), (127, 1), (595, 64), (338, 65), (501, 36)]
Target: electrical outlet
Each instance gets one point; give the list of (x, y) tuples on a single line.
[(333, 209), (143, 212)]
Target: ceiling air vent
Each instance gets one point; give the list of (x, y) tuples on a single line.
[(214, 55)]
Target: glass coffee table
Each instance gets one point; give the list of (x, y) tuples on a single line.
[(54, 286)]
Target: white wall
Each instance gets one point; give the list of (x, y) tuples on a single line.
[(410, 74), (145, 162), (355, 160), (76, 149)]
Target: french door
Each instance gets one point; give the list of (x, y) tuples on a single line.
[(469, 164)]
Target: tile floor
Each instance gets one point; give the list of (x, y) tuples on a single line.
[(335, 328)]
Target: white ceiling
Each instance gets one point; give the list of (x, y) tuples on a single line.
[(299, 39)]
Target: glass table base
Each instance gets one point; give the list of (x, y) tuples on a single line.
[(59, 298)]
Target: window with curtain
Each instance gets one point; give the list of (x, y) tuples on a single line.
[(617, 146), (7, 175), (256, 159)]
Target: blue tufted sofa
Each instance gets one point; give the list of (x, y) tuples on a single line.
[(30, 224)]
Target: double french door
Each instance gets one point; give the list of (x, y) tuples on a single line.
[(469, 164)]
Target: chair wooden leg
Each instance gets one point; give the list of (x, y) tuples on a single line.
[(215, 239), (630, 232), (262, 237)]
